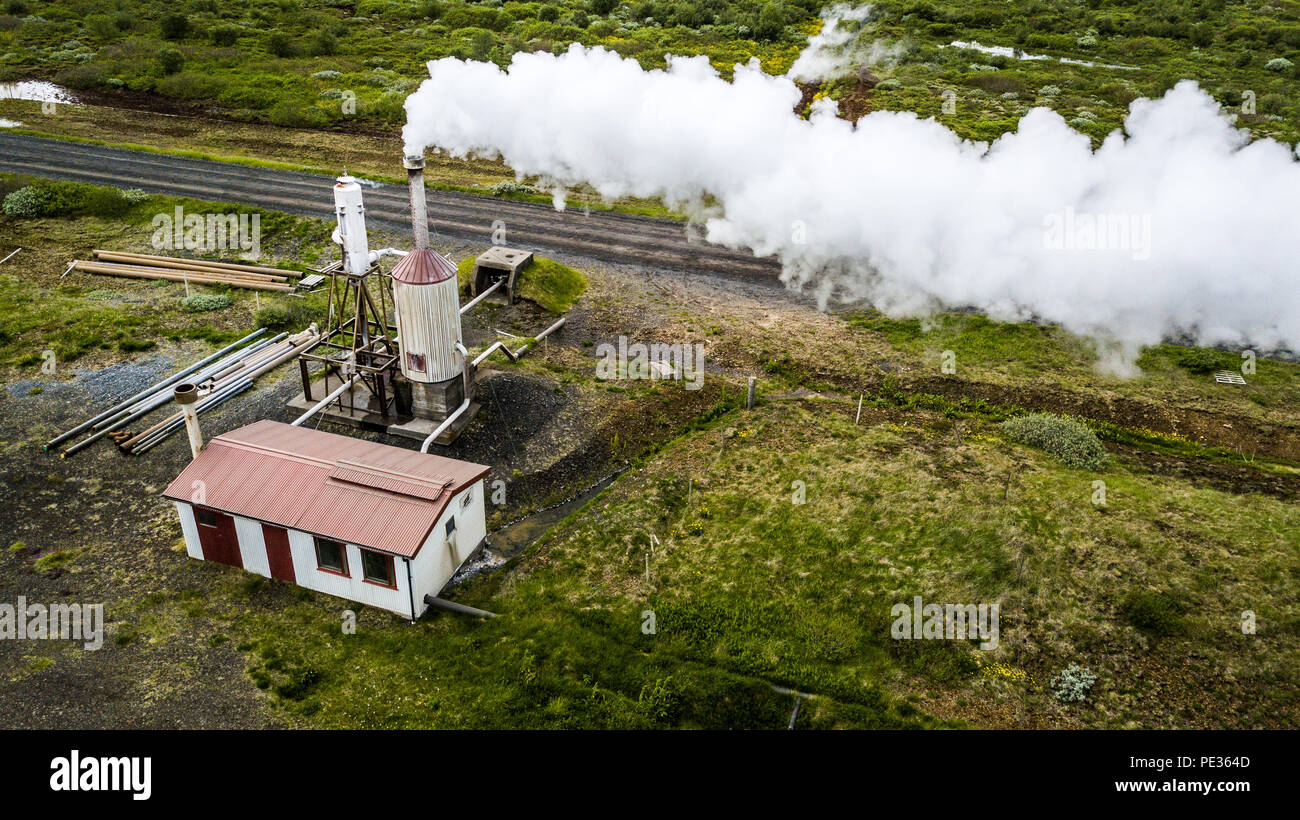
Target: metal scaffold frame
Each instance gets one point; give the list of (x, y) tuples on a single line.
[(359, 342)]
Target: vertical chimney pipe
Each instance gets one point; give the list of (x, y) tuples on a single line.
[(186, 396), (414, 165)]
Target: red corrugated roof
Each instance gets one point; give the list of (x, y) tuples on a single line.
[(374, 495), (423, 267)]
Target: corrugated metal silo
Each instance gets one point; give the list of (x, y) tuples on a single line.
[(427, 302)]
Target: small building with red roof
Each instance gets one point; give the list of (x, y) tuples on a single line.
[(372, 523)]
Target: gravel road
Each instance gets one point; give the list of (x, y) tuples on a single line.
[(610, 237)]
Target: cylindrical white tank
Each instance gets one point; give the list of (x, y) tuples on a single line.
[(427, 301), (351, 232)]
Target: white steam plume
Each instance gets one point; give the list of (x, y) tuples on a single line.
[(903, 212), (829, 52)]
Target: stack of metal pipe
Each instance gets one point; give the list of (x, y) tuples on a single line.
[(218, 377), (196, 271)]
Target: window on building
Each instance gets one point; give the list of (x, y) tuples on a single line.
[(378, 568), (451, 525), (415, 362), (331, 556), (206, 518)]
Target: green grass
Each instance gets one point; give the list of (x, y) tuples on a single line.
[(317, 64), (79, 314), (48, 564), (751, 590), (1025, 353)]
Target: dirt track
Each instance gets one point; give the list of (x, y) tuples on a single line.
[(609, 237)]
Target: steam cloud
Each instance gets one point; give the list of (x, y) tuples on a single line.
[(829, 51), (1179, 229)]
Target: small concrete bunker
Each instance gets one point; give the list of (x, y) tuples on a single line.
[(496, 265)]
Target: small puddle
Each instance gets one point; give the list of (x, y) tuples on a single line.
[(1017, 54), (38, 91), (514, 538)]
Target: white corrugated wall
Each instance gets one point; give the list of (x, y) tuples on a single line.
[(428, 322)]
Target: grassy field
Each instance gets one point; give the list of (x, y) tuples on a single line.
[(782, 535), (83, 316), (317, 63), (751, 589)]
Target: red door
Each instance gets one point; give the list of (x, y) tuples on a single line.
[(217, 537), (278, 555)]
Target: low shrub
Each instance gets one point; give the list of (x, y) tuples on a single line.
[(170, 60), (1066, 439), (292, 316), (1198, 360), (1072, 683), (62, 199), (202, 302), (1159, 613), (506, 187)]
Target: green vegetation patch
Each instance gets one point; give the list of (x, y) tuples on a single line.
[(1158, 613), (1068, 440), (49, 198), (545, 282), (203, 302)]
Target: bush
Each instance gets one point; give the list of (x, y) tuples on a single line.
[(280, 45), (277, 316), (174, 26), (603, 7), (292, 115), (1159, 613), (1073, 683), (1068, 440), (55, 199), (323, 44), (224, 35), (171, 60), (548, 14), (771, 22), (506, 187), (1279, 64), (203, 302), (1198, 360)]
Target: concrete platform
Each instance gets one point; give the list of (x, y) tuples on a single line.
[(419, 429), (356, 411)]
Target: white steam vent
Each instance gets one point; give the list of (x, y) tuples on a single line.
[(1178, 226)]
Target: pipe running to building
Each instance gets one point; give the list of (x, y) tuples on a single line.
[(472, 302), (323, 403), (447, 422)]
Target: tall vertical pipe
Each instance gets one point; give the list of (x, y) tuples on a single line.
[(186, 396), (414, 165)]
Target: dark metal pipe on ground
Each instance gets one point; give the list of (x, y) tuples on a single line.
[(169, 381)]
